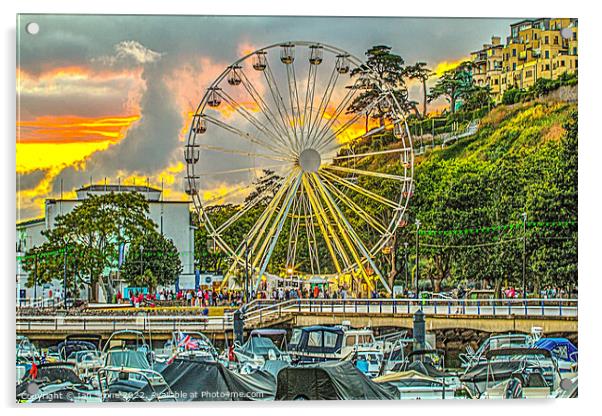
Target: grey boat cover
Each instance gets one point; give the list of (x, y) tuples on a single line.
[(259, 346), (502, 370), (335, 380), (192, 380), (274, 366), (127, 358)]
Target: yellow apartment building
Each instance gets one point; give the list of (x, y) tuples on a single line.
[(536, 48)]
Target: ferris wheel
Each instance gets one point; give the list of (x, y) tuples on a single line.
[(281, 173)]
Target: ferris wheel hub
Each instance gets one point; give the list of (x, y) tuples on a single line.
[(310, 160)]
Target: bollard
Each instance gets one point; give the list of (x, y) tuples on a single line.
[(238, 326), (419, 330)]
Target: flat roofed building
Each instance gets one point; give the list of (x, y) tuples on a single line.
[(172, 219)]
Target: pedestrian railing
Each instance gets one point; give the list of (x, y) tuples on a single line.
[(450, 307), (115, 323), (40, 302)]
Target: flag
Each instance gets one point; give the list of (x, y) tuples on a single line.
[(121, 254)]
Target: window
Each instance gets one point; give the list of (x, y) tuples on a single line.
[(574, 35), (513, 52), (534, 36), (562, 63), (315, 339), (546, 40), (330, 340), (350, 340), (575, 51), (514, 66), (528, 74), (547, 54), (547, 67), (555, 40)]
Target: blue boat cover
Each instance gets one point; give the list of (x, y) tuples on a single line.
[(561, 348)]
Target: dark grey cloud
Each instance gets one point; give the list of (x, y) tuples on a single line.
[(31, 179), (152, 144)]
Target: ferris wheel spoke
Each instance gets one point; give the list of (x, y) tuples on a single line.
[(343, 226), (293, 93), (268, 114), (359, 189), (246, 136), (207, 203), (324, 102), (240, 109), (366, 173), (248, 206), (279, 102), (361, 155), (281, 218), (326, 139), (343, 104), (260, 226), (239, 170), (293, 237), (325, 228), (244, 153), (359, 211), (312, 246), (309, 101), (355, 237)]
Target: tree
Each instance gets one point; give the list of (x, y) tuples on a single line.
[(452, 85), (152, 260), (476, 97), (91, 234), (390, 74), (422, 73)]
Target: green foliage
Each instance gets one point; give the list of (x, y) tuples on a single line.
[(390, 72), (525, 162), (152, 260), (91, 233), (453, 85), (541, 88)]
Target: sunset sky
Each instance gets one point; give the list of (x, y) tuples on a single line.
[(111, 96)]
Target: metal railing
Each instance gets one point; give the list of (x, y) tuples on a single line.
[(450, 307), (115, 323), (40, 302)]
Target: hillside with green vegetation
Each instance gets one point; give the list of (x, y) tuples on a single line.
[(470, 196)]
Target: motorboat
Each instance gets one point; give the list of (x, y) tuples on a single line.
[(87, 362), (329, 343), (128, 384), (415, 385), (127, 349), (260, 348), (564, 351), (55, 382), (511, 340), (194, 345), (26, 354), (520, 372), (330, 381)]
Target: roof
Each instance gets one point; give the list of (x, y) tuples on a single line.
[(31, 222), (322, 328), (118, 188)]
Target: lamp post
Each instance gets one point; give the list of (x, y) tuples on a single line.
[(405, 264), (524, 215), (65, 276), (417, 255), (246, 294)]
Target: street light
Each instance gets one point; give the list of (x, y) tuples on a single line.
[(405, 263), (417, 255)]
